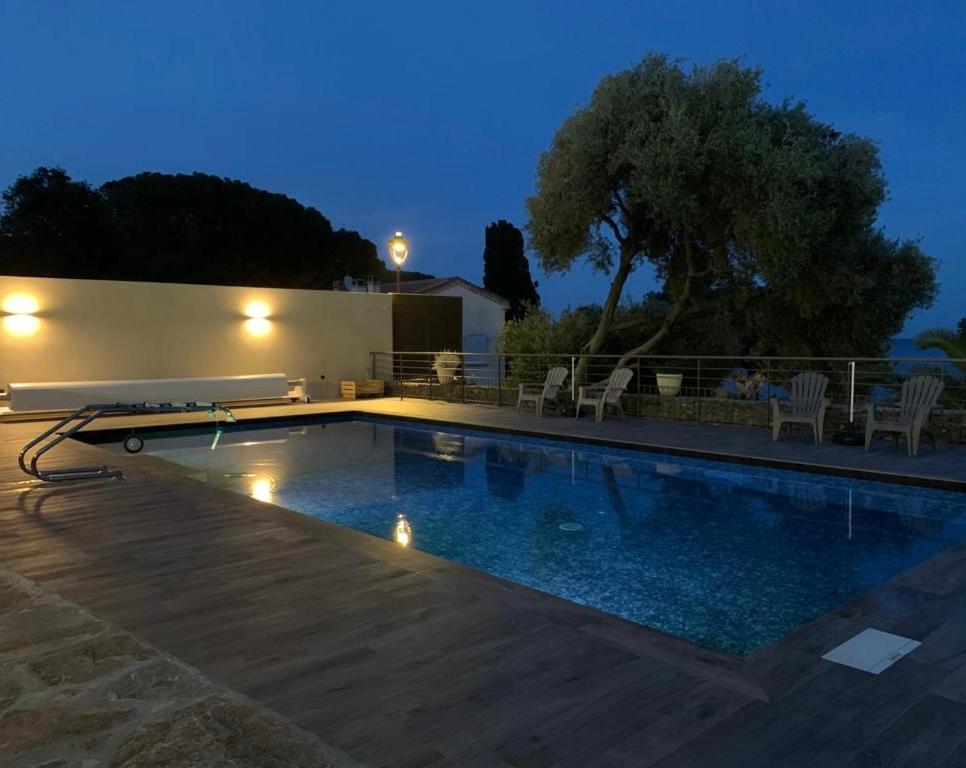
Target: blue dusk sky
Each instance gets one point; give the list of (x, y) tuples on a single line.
[(430, 116)]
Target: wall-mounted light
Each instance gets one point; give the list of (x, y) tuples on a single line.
[(20, 315), (257, 313)]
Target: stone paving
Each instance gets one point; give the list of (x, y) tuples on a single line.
[(76, 692)]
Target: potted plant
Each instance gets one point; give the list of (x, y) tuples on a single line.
[(669, 384), (446, 364), (745, 385)]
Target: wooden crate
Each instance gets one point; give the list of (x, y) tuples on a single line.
[(352, 389)]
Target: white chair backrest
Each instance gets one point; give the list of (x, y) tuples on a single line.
[(619, 379), (555, 380), (919, 393), (807, 392)]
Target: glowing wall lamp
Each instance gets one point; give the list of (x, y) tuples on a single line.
[(257, 323), (398, 251), (20, 315)]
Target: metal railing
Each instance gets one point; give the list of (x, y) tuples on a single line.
[(695, 388)]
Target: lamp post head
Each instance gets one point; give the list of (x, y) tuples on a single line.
[(398, 249)]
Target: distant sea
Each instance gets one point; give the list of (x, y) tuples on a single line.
[(907, 348)]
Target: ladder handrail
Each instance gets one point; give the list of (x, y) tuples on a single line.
[(89, 413), (56, 441)]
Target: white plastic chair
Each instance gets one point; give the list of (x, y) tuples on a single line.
[(920, 395), (806, 405), (542, 394), (604, 393)]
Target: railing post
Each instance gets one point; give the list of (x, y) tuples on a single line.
[(573, 379), (698, 387), (852, 372), (637, 375), (768, 391)]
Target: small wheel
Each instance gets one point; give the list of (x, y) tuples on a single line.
[(133, 444)]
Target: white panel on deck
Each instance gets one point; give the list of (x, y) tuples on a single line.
[(872, 650)]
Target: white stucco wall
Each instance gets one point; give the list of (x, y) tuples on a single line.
[(482, 318), (82, 330)]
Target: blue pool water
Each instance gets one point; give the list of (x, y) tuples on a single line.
[(728, 556)]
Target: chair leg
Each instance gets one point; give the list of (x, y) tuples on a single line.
[(600, 411), (869, 430), (540, 407), (776, 430), (912, 442)]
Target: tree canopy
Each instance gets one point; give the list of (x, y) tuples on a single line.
[(52, 226), (506, 270), (730, 199), (174, 228)]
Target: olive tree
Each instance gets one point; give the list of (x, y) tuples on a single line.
[(692, 171)]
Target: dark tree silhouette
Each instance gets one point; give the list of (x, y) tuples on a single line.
[(55, 227), (506, 270), (174, 228)]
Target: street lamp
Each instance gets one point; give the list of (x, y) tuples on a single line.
[(398, 251)]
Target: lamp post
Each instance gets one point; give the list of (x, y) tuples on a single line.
[(398, 251)]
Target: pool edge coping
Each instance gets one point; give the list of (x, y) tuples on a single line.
[(922, 481)]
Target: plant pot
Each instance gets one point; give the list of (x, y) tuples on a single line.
[(446, 365), (446, 375), (669, 384)]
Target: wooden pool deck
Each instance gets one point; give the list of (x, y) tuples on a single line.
[(402, 659)]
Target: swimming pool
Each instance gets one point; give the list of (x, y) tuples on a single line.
[(729, 556)]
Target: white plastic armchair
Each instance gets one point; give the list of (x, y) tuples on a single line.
[(604, 393), (807, 404), (540, 394), (920, 395)]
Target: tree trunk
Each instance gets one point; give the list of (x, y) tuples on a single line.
[(610, 307), (672, 317)]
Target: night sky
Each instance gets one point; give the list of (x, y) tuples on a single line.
[(429, 117)]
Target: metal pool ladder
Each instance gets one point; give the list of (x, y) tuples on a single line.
[(84, 416)]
